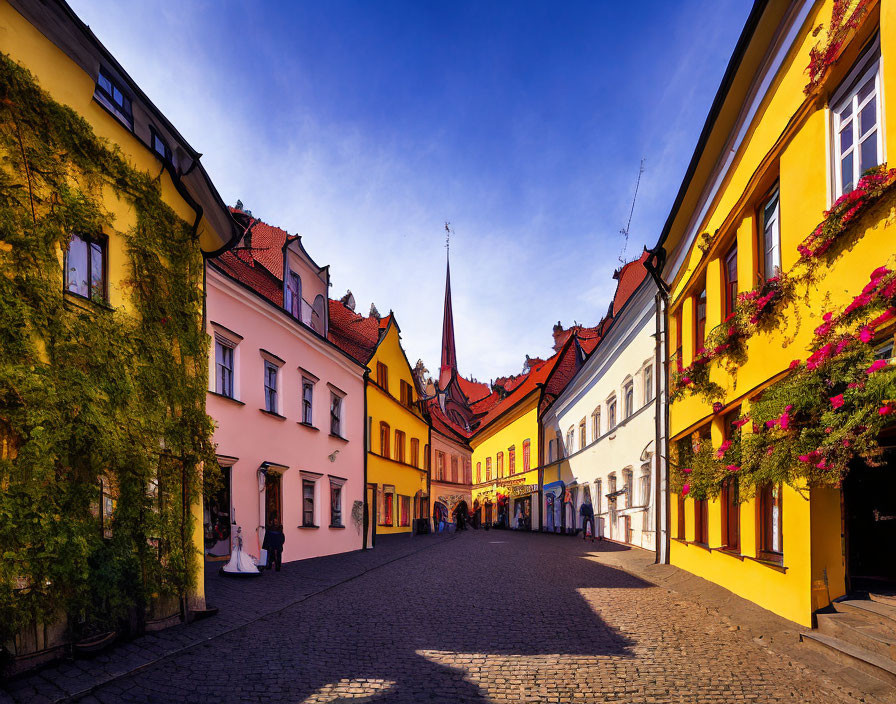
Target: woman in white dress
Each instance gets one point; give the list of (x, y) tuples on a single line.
[(240, 563)]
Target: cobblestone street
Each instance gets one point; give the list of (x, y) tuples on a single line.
[(490, 616)]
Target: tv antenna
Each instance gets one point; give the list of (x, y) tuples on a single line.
[(448, 232), (624, 230)]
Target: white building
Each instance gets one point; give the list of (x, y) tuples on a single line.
[(602, 431)]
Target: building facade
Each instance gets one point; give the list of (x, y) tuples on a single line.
[(778, 199), (600, 433), (288, 403), (102, 275)]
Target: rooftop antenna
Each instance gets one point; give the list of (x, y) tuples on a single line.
[(448, 232), (624, 230)]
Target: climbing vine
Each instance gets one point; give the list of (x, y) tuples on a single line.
[(98, 405), (846, 15)]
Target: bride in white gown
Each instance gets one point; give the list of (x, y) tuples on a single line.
[(240, 563)]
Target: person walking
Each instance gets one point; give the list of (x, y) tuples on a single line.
[(586, 511), (460, 514), (273, 543)]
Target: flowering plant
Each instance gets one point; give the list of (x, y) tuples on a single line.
[(823, 56)]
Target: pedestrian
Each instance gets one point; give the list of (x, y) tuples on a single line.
[(586, 511), (477, 514), (460, 514), (273, 543)]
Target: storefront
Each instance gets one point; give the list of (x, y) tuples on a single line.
[(500, 501), (553, 507), (521, 505)]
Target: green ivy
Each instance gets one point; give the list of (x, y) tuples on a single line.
[(89, 393)]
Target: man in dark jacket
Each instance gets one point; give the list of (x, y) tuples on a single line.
[(273, 543), (586, 511), (460, 514)]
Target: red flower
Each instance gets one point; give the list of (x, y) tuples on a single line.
[(687, 470), (741, 422), (876, 366), (866, 334), (879, 272), (795, 364), (723, 448), (732, 468), (685, 490), (837, 401), (885, 410)]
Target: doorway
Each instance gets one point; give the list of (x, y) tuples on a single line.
[(369, 515), (869, 516), (273, 499), (217, 517)]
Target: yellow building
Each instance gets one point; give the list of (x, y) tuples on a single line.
[(397, 471), (781, 145), (107, 214)]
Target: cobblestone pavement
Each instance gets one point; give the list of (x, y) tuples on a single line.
[(485, 617)]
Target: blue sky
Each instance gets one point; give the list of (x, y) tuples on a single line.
[(364, 126)]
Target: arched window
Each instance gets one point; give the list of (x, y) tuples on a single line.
[(628, 394), (648, 383), (595, 423), (384, 439), (570, 440), (627, 485), (583, 438), (318, 315), (479, 472), (527, 461), (500, 465), (611, 413), (292, 297)]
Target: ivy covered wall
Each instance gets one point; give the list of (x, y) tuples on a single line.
[(92, 395)]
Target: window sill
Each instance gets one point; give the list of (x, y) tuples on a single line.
[(227, 398), (272, 414), (777, 566), (312, 527), (730, 552), (338, 437), (338, 527), (309, 426), (83, 302)]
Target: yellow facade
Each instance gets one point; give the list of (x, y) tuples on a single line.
[(513, 429), (788, 143), (391, 466), (69, 84)]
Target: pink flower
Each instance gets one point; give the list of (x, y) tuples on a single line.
[(687, 470), (771, 423), (741, 422), (804, 458), (866, 334), (885, 410), (732, 468), (784, 421), (854, 385), (822, 330), (888, 314), (685, 380), (822, 464), (685, 490), (837, 401), (770, 451), (846, 442), (717, 407), (876, 366), (723, 448), (795, 364), (829, 430), (879, 272)]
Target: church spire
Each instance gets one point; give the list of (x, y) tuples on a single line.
[(449, 355)]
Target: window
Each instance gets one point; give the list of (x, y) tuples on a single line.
[(558, 443), (595, 423), (159, 145), (399, 446), (488, 469), (770, 524), (611, 412), (292, 300), (730, 271), (645, 485), (611, 484), (85, 267), (440, 465), (454, 475), (700, 319), (598, 496), (500, 465), (628, 395), (370, 433), (224, 367), (681, 514), (527, 460), (771, 237), (335, 504), (511, 460), (583, 438), (110, 93), (270, 387), (385, 504), (404, 516), (730, 500), (857, 135), (468, 472), (335, 414), (308, 503), (384, 439), (382, 376), (648, 383), (479, 472), (415, 452), (627, 481), (426, 456), (307, 397), (407, 394), (570, 440), (701, 521), (317, 315)]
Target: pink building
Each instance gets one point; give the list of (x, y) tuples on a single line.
[(289, 404)]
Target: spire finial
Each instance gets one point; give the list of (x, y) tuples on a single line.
[(448, 232)]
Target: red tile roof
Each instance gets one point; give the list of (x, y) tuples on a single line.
[(473, 390), (444, 425), (239, 264), (353, 333), (629, 277)]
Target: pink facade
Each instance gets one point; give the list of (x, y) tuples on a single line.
[(289, 408), (450, 470)]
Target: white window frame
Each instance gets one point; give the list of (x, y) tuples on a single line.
[(848, 94), (307, 383), (228, 344), (648, 383), (612, 413), (771, 257), (337, 395), (337, 482), (595, 422)]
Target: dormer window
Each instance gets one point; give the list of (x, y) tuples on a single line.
[(160, 146), (292, 298), (113, 97)]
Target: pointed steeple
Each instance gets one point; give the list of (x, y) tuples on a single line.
[(449, 355)]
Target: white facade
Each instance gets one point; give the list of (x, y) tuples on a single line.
[(600, 433)]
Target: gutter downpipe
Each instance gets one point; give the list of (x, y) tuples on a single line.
[(662, 498)]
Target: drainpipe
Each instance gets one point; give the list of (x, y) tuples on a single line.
[(366, 522)]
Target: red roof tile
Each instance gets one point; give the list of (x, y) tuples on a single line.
[(473, 390), (629, 277), (353, 333), (240, 265)]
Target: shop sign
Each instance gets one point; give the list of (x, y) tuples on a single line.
[(523, 489)]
